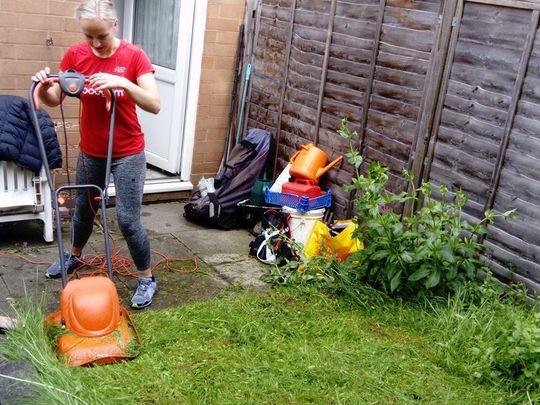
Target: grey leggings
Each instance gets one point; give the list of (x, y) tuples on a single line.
[(129, 174)]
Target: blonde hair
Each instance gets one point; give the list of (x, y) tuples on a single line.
[(96, 9)]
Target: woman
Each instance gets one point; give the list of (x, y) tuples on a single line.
[(111, 64)]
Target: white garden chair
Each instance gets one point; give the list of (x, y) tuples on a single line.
[(25, 196)]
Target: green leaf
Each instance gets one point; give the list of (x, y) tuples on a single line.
[(380, 254), (408, 175), (460, 199), (489, 215), (345, 131), (448, 254), (356, 161), (396, 281), (354, 158), (348, 187), (426, 189), (468, 265), (443, 190), (406, 256), (451, 272), (422, 253), (433, 279), (420, 274), (509, 214), (391, 269), (397, 229)]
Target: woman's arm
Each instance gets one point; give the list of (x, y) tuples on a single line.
[(144, 93)]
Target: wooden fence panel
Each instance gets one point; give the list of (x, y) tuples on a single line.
[(482, 77), (348, 79), (304, 76), (515, 244), (380, 98), (475, 121), (402, 64), (269, 70)]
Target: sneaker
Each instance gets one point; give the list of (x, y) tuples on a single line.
[(144, 292), (71, 262)]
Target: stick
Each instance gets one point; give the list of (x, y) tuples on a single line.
[(233, 102), (243, 104)]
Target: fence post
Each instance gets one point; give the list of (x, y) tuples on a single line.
[(324, 69), (432, 92), (284, 87)]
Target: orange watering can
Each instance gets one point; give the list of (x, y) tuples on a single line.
[(310, 163)]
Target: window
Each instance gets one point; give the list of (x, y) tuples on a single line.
[(155, 29)]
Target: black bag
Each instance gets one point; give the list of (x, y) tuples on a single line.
[(232, 184)]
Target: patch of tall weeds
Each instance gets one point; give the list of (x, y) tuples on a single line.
[(29, 341), (491, 333)]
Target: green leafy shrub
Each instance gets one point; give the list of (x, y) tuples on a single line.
[(432, 250)]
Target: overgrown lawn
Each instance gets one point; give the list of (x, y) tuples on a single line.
[(287, 346)]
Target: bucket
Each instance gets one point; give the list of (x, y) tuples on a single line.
[(301, 223)]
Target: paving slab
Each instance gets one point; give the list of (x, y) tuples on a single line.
[(167, 217), (238, 269), (16, 387), (181, 276), (22, 273), (214, 241)]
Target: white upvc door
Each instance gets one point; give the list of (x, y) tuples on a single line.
[(172, 34)]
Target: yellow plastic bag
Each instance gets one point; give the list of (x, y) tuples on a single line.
[(321, 242)]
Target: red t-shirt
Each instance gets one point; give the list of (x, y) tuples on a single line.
[(129, 61)]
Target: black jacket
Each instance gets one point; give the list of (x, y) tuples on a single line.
[(18, 142)]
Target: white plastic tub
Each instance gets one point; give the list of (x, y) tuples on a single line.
[(301, 223)]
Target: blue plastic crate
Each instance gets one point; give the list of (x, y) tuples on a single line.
[(300, 203)]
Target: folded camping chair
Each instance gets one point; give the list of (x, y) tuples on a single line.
[(233, 183)]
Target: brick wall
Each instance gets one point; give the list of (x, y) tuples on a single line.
[(222, 26), (34, 34)]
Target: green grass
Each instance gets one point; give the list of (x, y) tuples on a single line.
[(287, 346)]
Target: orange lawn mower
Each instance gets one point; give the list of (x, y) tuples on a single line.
[(96, 329)]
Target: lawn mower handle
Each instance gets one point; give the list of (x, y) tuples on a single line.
[(72, 84)]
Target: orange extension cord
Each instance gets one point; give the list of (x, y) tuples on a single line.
[(121, 265)]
